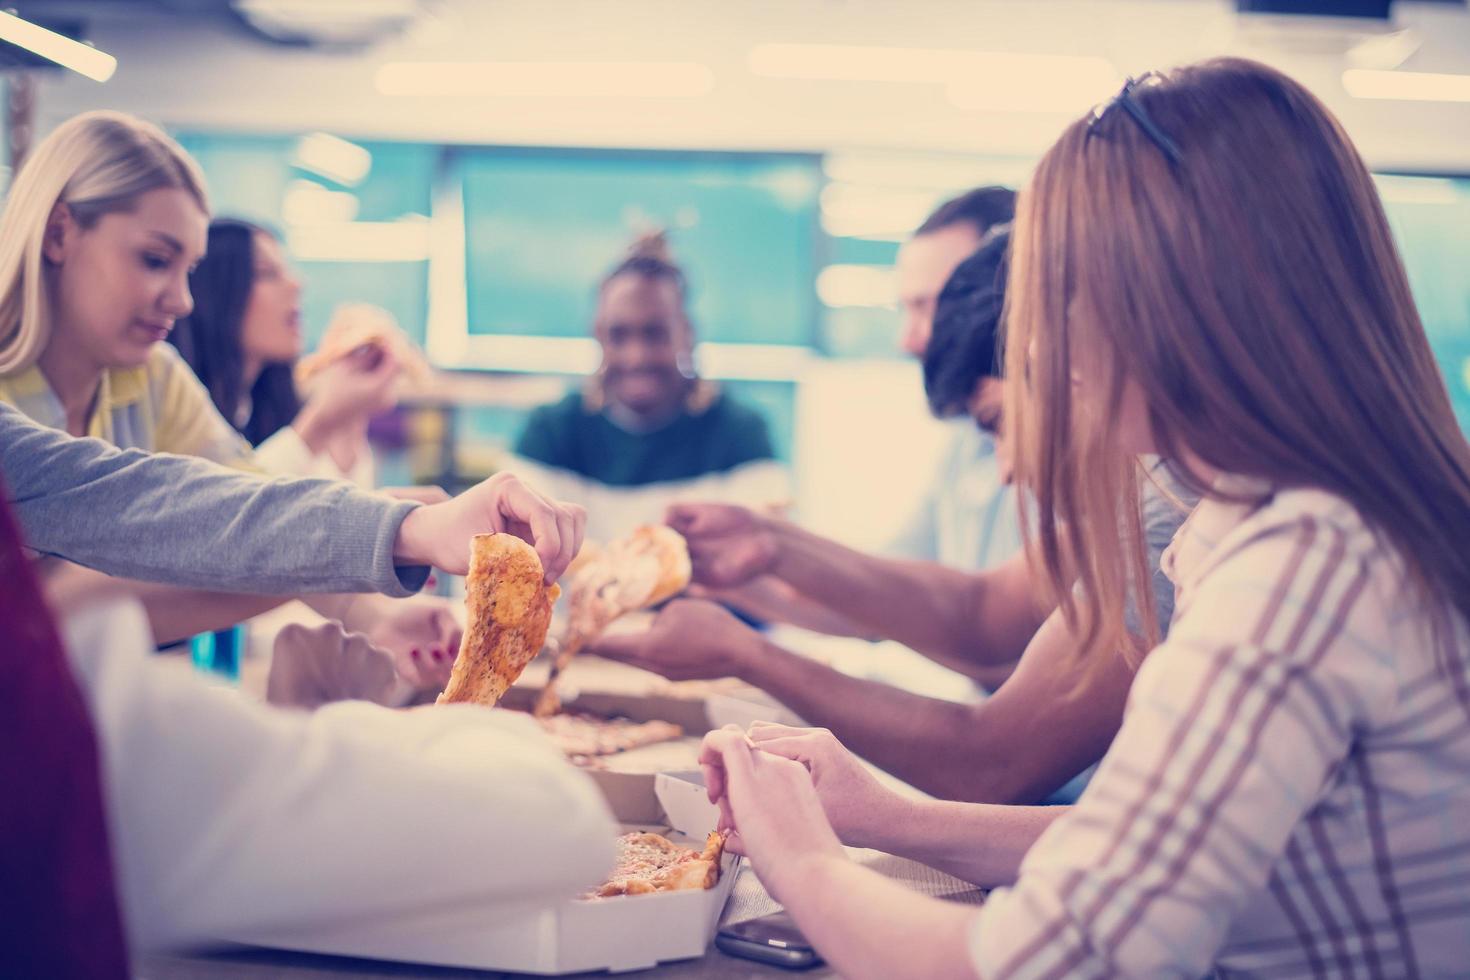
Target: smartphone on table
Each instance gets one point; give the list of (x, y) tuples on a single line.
[(773, 939)]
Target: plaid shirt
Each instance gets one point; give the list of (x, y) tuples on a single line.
[(1289, 795)]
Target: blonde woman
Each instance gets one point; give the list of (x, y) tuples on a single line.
[(1287, 793), (100, 231)]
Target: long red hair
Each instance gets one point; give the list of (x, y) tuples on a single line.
[(1252, 290)]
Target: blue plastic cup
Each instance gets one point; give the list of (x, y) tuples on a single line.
[(219, 652)]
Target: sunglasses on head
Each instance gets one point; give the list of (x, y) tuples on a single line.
[(1125, 101)]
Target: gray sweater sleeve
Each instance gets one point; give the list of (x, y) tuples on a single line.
[(189, 522)]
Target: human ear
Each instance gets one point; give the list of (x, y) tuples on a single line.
[(61, 228)]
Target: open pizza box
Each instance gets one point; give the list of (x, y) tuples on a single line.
[(637, 783), (613, 690), (610, 690), (621, 934), (689, 714), (627, 779)]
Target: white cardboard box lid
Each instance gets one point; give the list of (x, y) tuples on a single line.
[(686, 803), (569, 936)]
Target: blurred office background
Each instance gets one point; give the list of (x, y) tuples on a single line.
[(476, 166)]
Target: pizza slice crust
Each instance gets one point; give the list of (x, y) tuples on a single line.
[(509, 606)]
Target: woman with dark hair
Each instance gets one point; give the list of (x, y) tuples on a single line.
[(243, 339)]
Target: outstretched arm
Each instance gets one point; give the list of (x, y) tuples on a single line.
[(284, 822), (1043, 726), (960, 619), (189, 522)]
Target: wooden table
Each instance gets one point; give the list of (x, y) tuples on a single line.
[(263, 964), (748, 900)]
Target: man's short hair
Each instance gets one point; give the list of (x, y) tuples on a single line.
[(983, 207), (967, 328)]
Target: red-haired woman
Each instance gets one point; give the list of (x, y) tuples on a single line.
[(1287, 794)]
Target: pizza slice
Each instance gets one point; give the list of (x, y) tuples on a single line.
[(509, 612), (650, 863), (355, 326), (699, 872), (646, 568)]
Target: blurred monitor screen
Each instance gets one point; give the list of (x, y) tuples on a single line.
[(542, 228)]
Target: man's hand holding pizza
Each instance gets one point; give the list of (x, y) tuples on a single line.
[(692, 639), (729, 545)]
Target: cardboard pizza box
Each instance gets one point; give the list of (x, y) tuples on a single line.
[(611, 690), (631, 932), (606, 689), (631, 781), (688, 714), (686, 803)]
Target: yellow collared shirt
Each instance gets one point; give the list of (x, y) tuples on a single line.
[(159, 407)]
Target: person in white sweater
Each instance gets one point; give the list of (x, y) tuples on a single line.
[(227, 818), (232, 819)]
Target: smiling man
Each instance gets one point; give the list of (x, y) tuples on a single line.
[(646, 428)]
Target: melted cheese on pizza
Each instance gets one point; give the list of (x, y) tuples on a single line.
[(653, 863)]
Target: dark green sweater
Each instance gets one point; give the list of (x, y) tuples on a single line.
[(570, 436)]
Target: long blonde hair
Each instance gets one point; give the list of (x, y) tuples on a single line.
[(1251, 288), (96, 163)]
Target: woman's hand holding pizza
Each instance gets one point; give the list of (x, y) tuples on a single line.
[(771, 807)]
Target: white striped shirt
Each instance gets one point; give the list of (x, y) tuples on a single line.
[(1289, 795)]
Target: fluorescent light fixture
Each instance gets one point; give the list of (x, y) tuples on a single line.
[(856, 285), (886, 214), (329, 9), (581, 355), (1002, 82), (334, 158), (404, 240), (938, 172), (328, 22), (856, 63), (547, 79), (66, 52), (1410, 86), (989, 81)]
